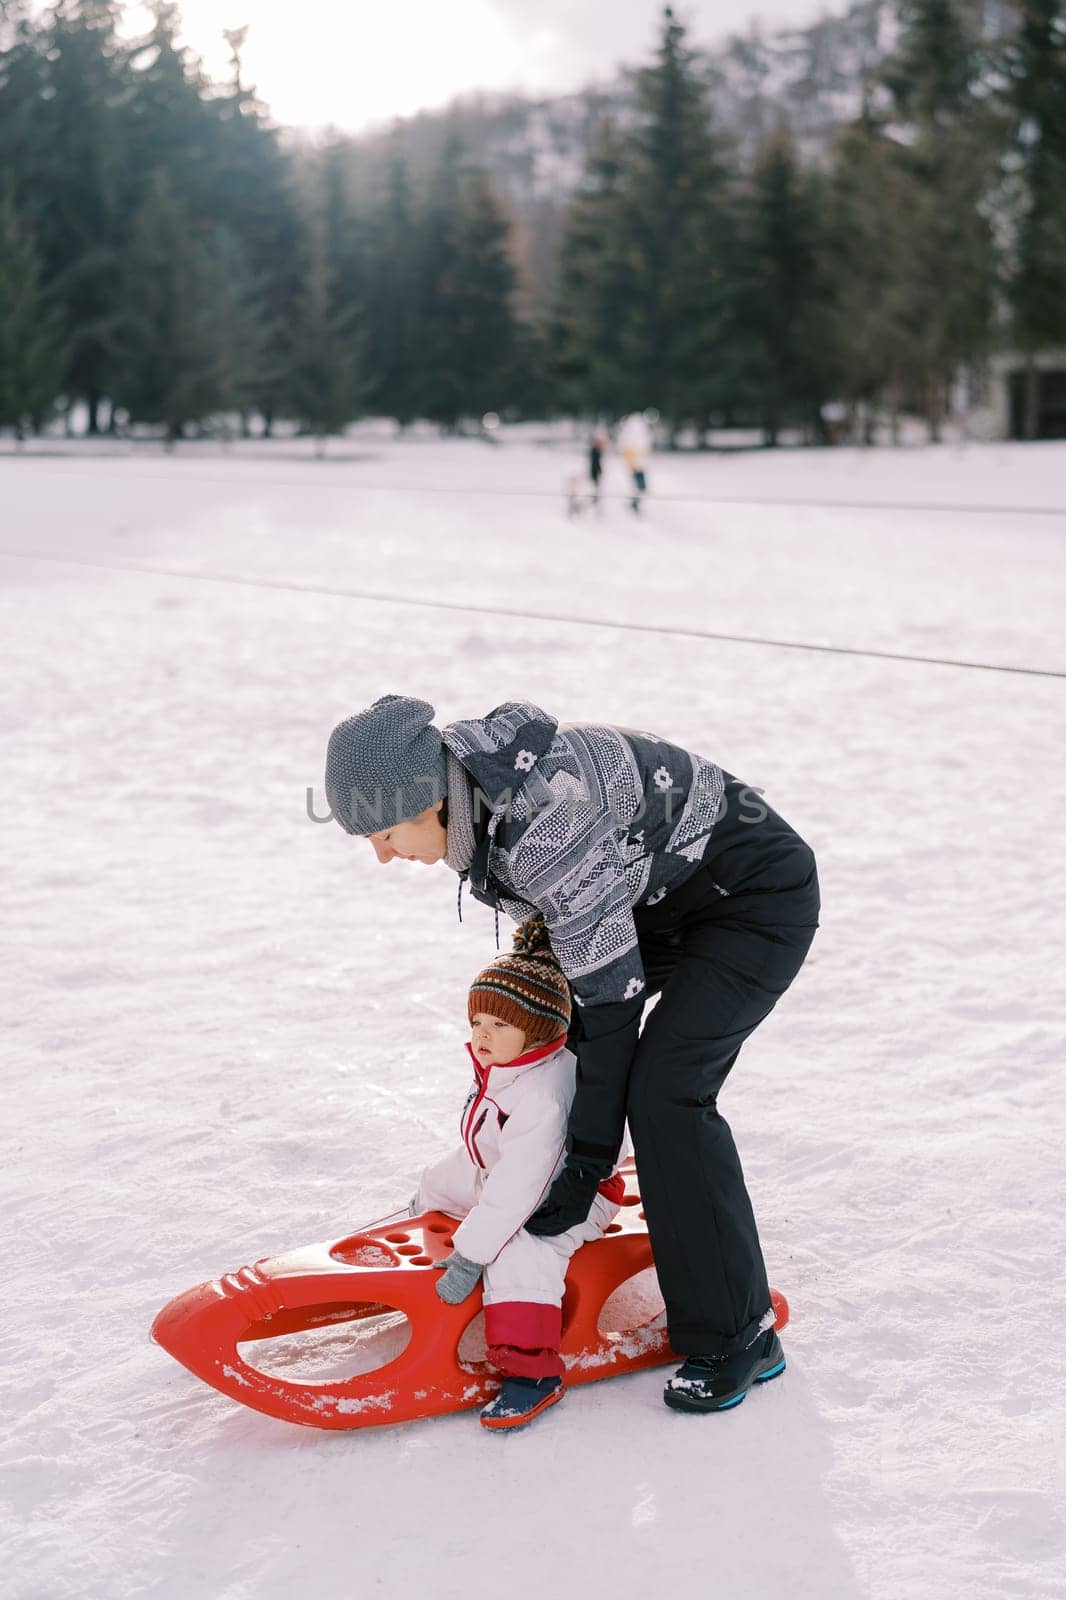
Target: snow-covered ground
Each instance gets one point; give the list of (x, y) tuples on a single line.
[(229, 1031)]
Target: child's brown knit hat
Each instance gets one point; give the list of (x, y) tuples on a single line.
[(528, 989)]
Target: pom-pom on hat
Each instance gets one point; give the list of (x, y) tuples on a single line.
[(528, 989), (385, 765)]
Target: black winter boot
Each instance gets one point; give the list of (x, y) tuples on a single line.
[(714, 1383)]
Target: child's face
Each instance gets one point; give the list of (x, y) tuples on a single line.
[(495, 1043)]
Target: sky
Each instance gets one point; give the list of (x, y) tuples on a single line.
[(352, 64)]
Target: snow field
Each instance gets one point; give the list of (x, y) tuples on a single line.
[(229, 1031)]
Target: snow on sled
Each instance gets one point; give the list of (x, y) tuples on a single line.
[(372, 1294)]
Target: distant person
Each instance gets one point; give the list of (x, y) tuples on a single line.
[(578, 494), (514, 1143), (601, 440), (634, 441)]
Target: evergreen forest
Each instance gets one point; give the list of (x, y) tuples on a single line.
[(171, 259)]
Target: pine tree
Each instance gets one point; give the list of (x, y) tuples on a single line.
[(250, 195), (82, 152), (173, 124), (392, 352), (949, 155), (346, 231), (465, 283), (785, 303), (167, 359), (283, 278), (866, 253), (594, 289), (23, 90), (324, 381), (436, 270), (33, 353), (679, 345), (1036, 64), (644, 310), (931, 74), (243, 340), (483, 330)]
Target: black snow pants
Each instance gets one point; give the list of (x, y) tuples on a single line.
[(719, 951)]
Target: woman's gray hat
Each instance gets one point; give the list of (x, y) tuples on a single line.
[(385, 765)]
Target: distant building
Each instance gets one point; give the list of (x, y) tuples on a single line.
[(1049, 400), (994, 405)]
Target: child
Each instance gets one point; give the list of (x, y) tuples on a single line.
[(514, 1142), (579, 494)]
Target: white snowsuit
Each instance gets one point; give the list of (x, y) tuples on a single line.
[(514, 1140), (634, 438)]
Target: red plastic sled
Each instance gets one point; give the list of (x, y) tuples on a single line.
[(369, 1277)]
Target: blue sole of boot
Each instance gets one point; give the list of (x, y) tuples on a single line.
[(677, 1400)]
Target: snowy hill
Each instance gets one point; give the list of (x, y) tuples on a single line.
[(810, 78)]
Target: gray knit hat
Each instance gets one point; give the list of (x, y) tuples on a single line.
[(385, 765)]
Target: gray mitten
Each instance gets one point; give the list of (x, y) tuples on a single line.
[(459, 1278)]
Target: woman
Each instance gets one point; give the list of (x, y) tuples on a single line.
[(597, 450), (657, 873), (634, 441)]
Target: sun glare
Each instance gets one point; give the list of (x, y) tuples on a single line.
[(351, 65)]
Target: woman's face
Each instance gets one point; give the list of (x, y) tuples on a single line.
[(421, 838)]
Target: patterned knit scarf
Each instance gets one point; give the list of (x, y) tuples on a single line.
[(461, 839)]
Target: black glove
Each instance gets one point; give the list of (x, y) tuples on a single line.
[(569, 1200)]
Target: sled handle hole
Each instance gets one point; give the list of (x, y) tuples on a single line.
[(633, 1306), (362, 1250)]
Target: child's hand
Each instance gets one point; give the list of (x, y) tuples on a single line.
[(459, 1278)]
